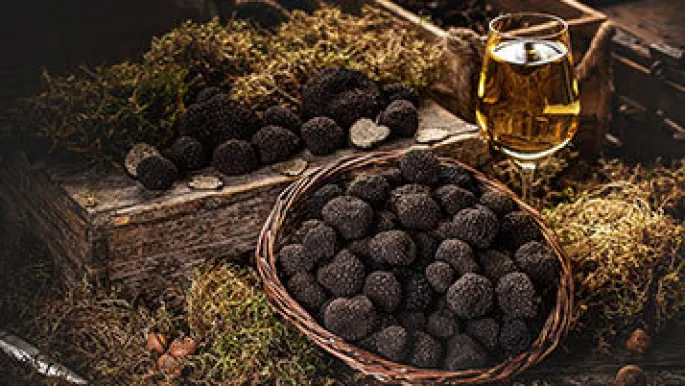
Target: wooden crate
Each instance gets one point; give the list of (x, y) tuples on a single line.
[(101, 225)]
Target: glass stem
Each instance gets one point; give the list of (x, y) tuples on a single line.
[(527, 175)]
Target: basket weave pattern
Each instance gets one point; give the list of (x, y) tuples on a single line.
[(286, 208)]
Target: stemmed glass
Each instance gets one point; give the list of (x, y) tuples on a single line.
[(528, 103)]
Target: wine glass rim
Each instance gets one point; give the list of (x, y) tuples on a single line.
[(551, 17)]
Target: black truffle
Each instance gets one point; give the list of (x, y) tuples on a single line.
[(157, 173), (477, 226), (457, 175), (485, 331), (351, 319), (401, 117), (298, 236), (360, 247), (385, 221), (463, 353), (322, 135), (321, 197), (404, 190), (187, 154), (392, 343), (420, 167), (471, 296), (396, 91), (426, 246), (350, 216), (440, 275), (442, 325), (384, 290), (499, 203), (306, 290), (425, 351), (417, 211), (293, 259), (539, 262), (350, 106), (516, 296), (320, 243), (418, 293), (392, 175), (453, 198), (412, 320), (514, 336), (325, 92), (372, 188), (393, 247), (458, 254), (275, 144), (208, 93), (517, 229), (218, 120), (283, 117), (344, 276), (234, 157), (495, 264)]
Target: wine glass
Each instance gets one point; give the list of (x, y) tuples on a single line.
[(528, 101)]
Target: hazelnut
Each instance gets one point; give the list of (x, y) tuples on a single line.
[(182, 347), (156, 342), (631, 376), (639, 341)]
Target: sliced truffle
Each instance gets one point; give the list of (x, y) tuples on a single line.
[(351, 216), (372, 188), (275, 144), (320, 243), (440, 275), (516, 296), (418, 293), (458, 254), (517, 229), (453, 198), (187, 154), (442, 325), (351, 319), (234, 157), (495, 264), (498, 202), (393, 247), (157, 173), (471, 296), (485, 331), (539, 262), (420, 167), (401, 117), (425, 352), (457, 175), (417, 211), (306, 290), (283, 117), (476, 226), (392, 343), (514, 337), (350, 106), (344, 276), (463, 353), (396, 91), (321, 197), (384, 290), (218, 120), (293, 259), (322, 135)]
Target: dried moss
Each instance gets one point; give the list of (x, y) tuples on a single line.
[(626, 252), (242, 340)]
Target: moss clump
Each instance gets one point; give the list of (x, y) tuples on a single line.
[(241, 339), (626, 252)]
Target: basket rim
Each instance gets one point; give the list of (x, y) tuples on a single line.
[(554, 329)]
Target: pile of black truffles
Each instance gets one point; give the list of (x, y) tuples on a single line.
[(419, 266), (236, 140)]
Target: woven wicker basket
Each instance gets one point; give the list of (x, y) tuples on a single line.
[(288, 207)]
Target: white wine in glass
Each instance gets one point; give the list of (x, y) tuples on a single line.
[(528, 102)]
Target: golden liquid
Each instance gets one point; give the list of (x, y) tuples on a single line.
[(528, 102)]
